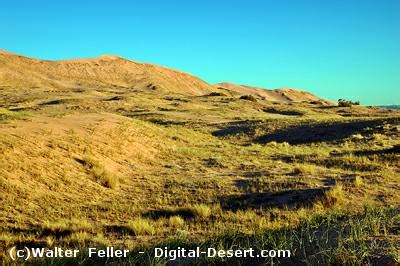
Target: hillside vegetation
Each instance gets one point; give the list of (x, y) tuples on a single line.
[(88, 158)]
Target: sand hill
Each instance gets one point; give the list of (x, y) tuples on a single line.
[(277, 95), (104, 71), (110, 71)]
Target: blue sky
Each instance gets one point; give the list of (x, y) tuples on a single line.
[(335, 49)]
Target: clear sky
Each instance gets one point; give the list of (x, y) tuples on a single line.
[(333, 48)]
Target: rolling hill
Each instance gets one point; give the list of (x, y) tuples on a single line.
[(277, 95), (111, 71), (100, 72)]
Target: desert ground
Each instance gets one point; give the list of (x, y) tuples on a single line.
[(111, 152)]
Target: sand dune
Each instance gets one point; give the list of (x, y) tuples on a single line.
[(277, 95), (104, 71), (110, 71)]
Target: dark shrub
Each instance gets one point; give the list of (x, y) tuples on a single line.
[(347, 103), (215, 93), (319, 102), (248, 98)]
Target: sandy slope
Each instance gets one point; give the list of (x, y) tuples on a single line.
[(110, 71), (104, 71), (278, 95)]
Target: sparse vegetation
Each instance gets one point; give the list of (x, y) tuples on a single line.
[(338, 239), (136, 167), (7, 115)]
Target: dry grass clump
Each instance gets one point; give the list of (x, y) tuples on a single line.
[(334, 196), (66, 227), (104, 177), (377, 136), (214, 162), (58, 226), (79, 238), (272, 144), (141, 226), (50, 240), (358, 182), (201, 211), (176, 222), (304, 169), (356, 137), (80, 225)]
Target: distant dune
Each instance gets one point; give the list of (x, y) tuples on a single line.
[(109, 71), (390, 106), (104, 71), (277, 95)]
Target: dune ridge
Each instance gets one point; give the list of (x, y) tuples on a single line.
[(108, 71)]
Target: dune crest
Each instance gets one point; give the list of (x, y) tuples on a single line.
[(110, 71)]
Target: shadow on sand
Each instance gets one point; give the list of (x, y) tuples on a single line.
[(306, 133), (320, 132), (182, 212), (291, 199)]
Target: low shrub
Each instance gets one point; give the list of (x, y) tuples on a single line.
[(248, 98), (347, 103), (215, 93)]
